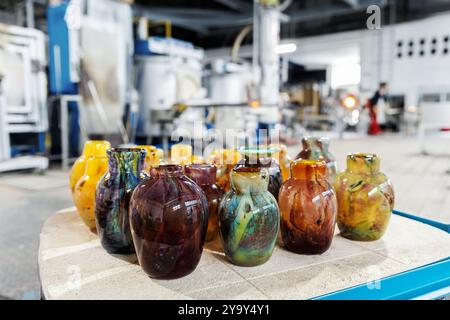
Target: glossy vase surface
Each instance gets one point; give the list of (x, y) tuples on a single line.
[(92, 148), (263, 157), (224, 160), (283, 159), (318, 149), (308, 208), (125, 171), (84, 193), (204, 175), (249, 217), (365, 198), (169, 220)]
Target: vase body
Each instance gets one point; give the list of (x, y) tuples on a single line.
[(92, 148), (283, 159), (308, 208), (204, 175), (249, 217), (263, 157), (169, 220), (365, 199), (152, 157), (84, 193), (125, 171), (224, 160), (318, 149), (181, 154)]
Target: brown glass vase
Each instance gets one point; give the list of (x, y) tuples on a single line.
[(204, 175), (169, 219), (308, 208)]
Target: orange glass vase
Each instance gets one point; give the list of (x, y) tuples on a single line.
[(308, 208), (283, 159), (84, 192), (181, 154), (92, 148)]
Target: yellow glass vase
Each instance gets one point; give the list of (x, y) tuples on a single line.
[(365, 198), (84, 193), (224, 160), (152, 158), (181, 154), (283, 159), (91, 148)]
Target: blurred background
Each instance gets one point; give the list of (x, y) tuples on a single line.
[(370, 75)]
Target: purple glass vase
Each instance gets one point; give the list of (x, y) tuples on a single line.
[(169, 219), (205, 176)]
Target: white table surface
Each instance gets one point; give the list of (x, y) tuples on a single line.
[(73, 265)]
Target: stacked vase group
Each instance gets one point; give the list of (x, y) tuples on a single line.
[(165, 211)]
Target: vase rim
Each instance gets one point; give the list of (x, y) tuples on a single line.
[(126, 150), (257, 151), (169, 169)]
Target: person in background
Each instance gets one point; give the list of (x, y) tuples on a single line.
[(377, 106)]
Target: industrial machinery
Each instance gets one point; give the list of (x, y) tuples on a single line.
[(90, 49), (161, 114), (23, 94)]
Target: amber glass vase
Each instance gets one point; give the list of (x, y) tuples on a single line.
[(318, 149), (224, 160), (169, 220), (204, 175), (249, 217), (84, 193), (308, 208), (92, 148), (365, 198), (262, 156), (125, 171)]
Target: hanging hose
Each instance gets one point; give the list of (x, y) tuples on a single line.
[(238, 42)]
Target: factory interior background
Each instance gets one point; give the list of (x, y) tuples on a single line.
[(369, 76)]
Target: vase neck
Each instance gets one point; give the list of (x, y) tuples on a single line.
[(95, 147), (249, 179), (126, 162), (170, 170), (363, 163), (201, 174), (314, 170)]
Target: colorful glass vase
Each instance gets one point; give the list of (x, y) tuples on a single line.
[(181, 154), (92, 148), (249, 217), (365, 198), (224, 160), (308, 208), (169, 220), (84, 193), (125, 171), (318, 149), (263, 157), (282, 157), (204, 175), (152, 157)]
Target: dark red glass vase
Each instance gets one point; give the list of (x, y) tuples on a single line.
[(168, 219), (205, 176)]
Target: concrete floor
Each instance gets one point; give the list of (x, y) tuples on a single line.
[(421, 186)]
